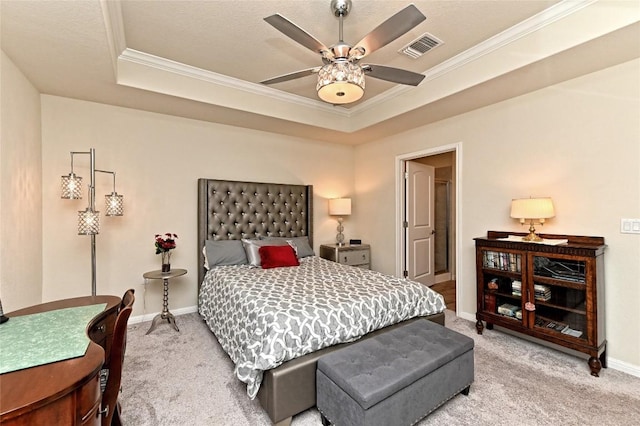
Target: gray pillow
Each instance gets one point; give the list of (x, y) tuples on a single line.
[(224, 252), (300, 244), (251, 248)]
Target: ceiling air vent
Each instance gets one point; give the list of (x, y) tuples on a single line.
[(421, 45)]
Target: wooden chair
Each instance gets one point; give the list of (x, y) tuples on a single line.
[(110, 406)]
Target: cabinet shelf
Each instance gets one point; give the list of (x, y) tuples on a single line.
[(508, 295), (503, 272), (562, 308), (560, 283), (565, 283)]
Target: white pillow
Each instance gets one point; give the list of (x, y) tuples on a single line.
[(300, 245)]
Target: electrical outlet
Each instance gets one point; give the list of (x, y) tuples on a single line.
[(630, 226)]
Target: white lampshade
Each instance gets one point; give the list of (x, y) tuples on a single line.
[(340, 82), (340, 207), (532, 208)]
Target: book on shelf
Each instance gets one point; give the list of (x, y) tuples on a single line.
[(572, 332), (489, 302), (557, 326), (541, 292), (500, 260), (509, 310), (516, 288)]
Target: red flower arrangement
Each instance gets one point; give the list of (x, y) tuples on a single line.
[(165, 243)]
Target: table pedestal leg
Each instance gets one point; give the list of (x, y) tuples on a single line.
[(165, 315)]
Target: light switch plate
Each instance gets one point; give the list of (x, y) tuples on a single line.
[(630, 226)]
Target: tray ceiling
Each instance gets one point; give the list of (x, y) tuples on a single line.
[(204, 59)]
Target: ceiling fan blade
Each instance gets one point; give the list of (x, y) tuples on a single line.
[(296, 33), (395, 75), (291, 76), (391, 29)]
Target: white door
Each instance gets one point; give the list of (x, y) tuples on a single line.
[(419, 222)]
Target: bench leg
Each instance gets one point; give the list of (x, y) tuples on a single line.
[(325, 421), (465, 391), (285, 422)]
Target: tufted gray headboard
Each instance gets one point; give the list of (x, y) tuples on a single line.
[(231, 210)]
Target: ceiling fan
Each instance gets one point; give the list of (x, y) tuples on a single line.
[(341, 78)]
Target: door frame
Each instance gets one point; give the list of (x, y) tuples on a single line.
[(400, 206)]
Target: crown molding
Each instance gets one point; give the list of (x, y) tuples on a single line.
[(152, 73), (114, 25), (477, 64), (179, 68), (510, 35), (559, 28)]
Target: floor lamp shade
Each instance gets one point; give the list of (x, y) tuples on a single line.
[(88, 222), (115, 204), (71, 186)]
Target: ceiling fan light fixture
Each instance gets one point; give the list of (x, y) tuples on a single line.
[(340, 82)]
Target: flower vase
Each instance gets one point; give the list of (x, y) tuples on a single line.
[(166, 261)]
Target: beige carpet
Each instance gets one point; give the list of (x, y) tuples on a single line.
[(185, 378)]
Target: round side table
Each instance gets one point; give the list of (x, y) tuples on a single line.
[(165, 314)]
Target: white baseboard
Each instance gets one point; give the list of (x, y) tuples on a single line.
[(612, 363), (466, 315), (625, 367), (440, 278), (148, 317)]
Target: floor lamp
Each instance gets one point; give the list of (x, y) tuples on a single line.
[(89, 219)]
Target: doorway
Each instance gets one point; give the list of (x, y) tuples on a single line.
[(444, 210)]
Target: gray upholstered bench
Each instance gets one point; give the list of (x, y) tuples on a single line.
[(395, 378)]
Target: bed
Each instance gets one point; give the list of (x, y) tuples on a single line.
[(283, 379)]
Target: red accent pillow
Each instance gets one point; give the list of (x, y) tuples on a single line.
[(277, 256)]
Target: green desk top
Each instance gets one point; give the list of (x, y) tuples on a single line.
[(37, 339)]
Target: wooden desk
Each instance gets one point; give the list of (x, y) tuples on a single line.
[(65, 392)]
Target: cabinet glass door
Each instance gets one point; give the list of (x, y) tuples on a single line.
[(502, 279), (560, 296)]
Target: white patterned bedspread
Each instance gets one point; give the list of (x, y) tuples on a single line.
[(264, 317)]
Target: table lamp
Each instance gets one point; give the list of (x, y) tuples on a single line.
[(340, 207), (532, 210)]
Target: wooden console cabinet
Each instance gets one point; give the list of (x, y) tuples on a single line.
[(550, 292)]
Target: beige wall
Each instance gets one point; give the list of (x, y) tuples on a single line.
[(158, 160), (20, 190), (577, 142)]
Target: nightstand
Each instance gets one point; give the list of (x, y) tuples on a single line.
[(165, 314), (354, 255)]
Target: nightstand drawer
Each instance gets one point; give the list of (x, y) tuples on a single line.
[(354, 257)]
